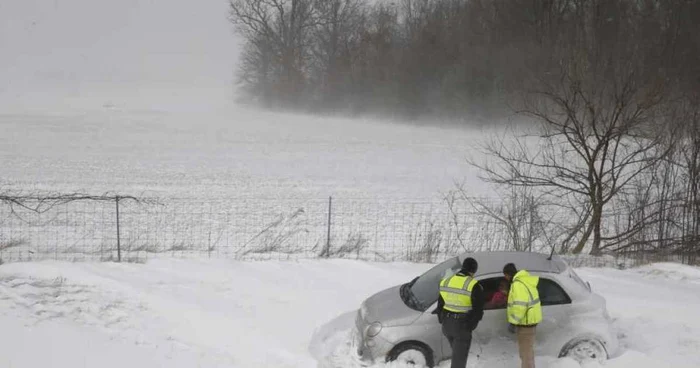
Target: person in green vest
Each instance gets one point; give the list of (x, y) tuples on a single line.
[(524, 311), (460, 308)]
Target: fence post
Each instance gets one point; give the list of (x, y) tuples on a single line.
[(327, 251), (119, 246)]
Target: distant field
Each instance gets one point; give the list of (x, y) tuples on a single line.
[(237, 153)]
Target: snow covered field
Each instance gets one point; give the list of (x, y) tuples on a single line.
[(239, 154), (215, 313), (101, 96)]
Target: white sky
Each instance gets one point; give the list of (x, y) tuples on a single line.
[(130, 53)]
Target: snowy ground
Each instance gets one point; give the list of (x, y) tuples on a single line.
[(216, 313)]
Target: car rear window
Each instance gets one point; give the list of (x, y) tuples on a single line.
[(551, 293)]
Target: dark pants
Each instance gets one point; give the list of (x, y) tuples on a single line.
[(458, 332)]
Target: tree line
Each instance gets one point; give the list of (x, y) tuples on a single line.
[(450, 58)]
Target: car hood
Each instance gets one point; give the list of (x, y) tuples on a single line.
[(387, 308)]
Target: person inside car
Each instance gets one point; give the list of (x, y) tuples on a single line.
[(499, 299)]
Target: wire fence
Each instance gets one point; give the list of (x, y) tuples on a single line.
[(124, 228), (129, 229)]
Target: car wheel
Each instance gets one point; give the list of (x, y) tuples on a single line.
[(584, 350), (412, 354)]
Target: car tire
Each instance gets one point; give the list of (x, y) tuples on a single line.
[(412, 354), (585, 349)]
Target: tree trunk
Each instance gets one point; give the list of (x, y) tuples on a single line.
[(597, 234), (584, 239), (597, 217)]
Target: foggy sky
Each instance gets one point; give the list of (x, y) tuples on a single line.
[(132, 54)]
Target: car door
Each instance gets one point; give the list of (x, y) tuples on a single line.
[(494, 323), (492, 337), (556, 310), (436, 333)]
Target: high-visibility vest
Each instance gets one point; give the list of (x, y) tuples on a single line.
[(524, 307), (456, 291)]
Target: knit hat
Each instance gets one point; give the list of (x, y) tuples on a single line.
[(470, 265)]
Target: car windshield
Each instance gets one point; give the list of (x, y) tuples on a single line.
[(423, 291)]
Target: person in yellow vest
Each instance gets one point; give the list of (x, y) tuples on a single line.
[(524, 311), (460, 308)]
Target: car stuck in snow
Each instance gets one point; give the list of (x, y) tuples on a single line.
[(397, 324)]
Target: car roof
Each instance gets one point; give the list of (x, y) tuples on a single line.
[(493, 262)]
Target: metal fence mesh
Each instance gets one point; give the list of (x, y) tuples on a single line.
[(244, 229)]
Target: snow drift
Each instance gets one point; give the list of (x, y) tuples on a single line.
[(218, 313)]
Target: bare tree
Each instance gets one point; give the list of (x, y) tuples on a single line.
[(595, 111), (688, 160), (659, 215), (519, 213), (591, 146), (375, 74), (335, 43), (278, 36)]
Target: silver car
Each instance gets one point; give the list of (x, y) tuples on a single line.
[(398, 323)]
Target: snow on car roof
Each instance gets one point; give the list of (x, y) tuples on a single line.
[(493, 262)]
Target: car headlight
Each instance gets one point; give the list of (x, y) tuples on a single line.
[(374, 329)]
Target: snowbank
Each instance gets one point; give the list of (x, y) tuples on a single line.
[(186, 314), (216, 313)]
